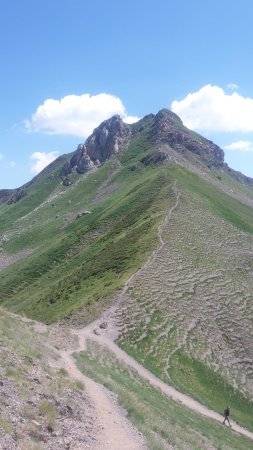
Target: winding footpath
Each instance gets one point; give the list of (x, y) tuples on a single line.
[(106, 337), (116, 431)]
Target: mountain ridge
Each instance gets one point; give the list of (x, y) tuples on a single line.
[(71, 250), (166, 132)]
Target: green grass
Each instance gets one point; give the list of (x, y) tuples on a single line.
[(230, 209), (63, 274), (201, 382), (79, 265), (82, 263), (197, 380), (37, 190), (162, 421)]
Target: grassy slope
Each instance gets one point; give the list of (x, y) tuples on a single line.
[(81, 263), (162, 421), (34, 397), (78, 262), (174, 305), (36, 192)]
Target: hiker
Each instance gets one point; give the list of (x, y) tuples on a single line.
[(226, 415)]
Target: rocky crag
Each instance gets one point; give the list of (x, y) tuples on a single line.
[(106, 140), (164, 130)]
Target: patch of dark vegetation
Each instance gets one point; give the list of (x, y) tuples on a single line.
[(154, 158)]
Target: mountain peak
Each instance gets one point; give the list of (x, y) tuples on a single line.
[(106, 140), (167, 115), (168, 129)]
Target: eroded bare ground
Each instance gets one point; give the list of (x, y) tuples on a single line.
[(46, 402), (40, 406), (196, 295), (208, 175), (8, 260), (159, 299)]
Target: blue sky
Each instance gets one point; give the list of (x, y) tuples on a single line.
[(94, 59)]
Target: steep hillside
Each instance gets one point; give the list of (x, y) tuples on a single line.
[(40, 408), (187, 315), (96, 217)]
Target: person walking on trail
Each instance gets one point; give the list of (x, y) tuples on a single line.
[(226, 416)]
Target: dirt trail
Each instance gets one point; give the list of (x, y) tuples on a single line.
[(106, 337), (153, 254), (116, 432), (156, 382)]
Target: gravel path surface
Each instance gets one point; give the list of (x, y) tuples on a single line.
[(106, 336), (116, 430)]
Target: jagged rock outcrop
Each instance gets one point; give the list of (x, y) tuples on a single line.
[(19, 193), (168, 128), (106, 140), (165, 136), (81, 160), (6, 194)]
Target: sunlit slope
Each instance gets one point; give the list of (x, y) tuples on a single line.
[(164, 423), (34, 194), (37, 400), (188, 315), (80, 262)]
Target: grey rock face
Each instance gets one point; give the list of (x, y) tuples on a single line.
[(108, 139), (169, 129), (81, 160), (18, 194), (105, 141), (6, 195)]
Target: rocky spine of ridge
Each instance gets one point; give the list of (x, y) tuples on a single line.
[(168, 128), (9, 196), (106, 140), (5, 195), (165, 131)]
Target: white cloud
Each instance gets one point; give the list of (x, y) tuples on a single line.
[(131, 119), (41, 160), (76, 115), (1, 156), (211, 109), (242, 146), (233, 86)]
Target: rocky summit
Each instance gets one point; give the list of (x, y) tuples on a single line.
[(105, 141), (166, 128), (127, 264), (167, 134), (165, 131)]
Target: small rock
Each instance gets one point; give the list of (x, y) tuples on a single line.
[(50, 429)]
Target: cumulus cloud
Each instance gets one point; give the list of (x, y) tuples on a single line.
[(41, 160), (76, 115), (130, 119), (212, 110), (242, 146)]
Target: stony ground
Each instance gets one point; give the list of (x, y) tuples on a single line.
[(40, 407), (46, 403), (195, 294)]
